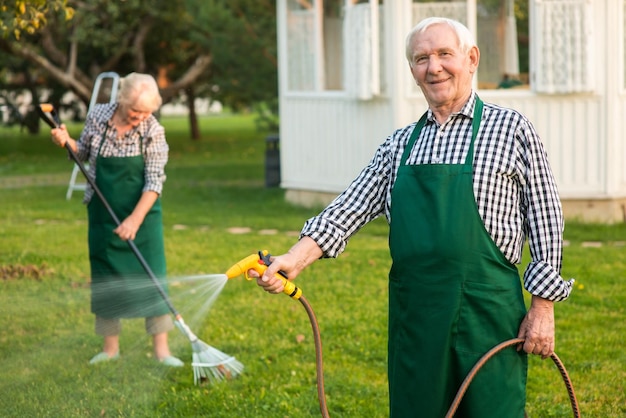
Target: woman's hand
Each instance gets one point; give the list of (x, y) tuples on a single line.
[(60, 136), (129, 226), (128, 229)]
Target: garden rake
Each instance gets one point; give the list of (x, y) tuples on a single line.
[(208, 363)]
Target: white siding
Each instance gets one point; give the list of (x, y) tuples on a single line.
[(328, 140), (338, 137), (571, 128)]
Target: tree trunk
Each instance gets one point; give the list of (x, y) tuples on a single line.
[(31, 120), (193, 117)]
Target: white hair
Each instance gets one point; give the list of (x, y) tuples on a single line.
[(140, 90), (466, 40)]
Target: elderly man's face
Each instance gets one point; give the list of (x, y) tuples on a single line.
[(440, 68)]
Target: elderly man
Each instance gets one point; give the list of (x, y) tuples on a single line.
[(462, 189)]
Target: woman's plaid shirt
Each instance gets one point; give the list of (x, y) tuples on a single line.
[(147, 138), (514, 187)]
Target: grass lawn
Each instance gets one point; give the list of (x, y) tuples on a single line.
[(216, 211)]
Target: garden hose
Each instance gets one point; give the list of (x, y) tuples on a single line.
[(481, 362), (259, 263), (319, 364)]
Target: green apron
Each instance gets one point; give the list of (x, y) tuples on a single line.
[(452, 296), (120, 287)]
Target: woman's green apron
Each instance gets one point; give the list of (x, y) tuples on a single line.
[(452, 296), (120, 287)]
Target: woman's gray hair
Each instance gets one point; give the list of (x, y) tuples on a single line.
[(140, 91), (465, 37)]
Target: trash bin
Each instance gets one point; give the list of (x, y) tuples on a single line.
[(272, 161)]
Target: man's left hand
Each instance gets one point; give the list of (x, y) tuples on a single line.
[(537, 328)]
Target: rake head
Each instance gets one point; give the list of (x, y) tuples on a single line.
[(210, 364)]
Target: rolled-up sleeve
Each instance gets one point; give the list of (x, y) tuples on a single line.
[(156, 156), (545, 223)]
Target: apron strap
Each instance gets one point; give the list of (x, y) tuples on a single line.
[(478, 115), (476, 119)]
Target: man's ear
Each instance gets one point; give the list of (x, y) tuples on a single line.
[(474, 58)]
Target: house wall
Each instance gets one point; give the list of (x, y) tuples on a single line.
[(330, 140), (326, 139), (338, 137), (571, 128)]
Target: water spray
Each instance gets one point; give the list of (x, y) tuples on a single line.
[(208, 363)]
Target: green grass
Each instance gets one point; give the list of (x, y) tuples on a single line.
[(216, 184)]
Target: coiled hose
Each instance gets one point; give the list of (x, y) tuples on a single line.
[(321, 394), (494, 351)]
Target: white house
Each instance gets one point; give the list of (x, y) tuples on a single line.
[(345, 86)]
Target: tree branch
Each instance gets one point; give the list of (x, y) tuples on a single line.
[(73, 56), (70, 81), (200, 66), (112, 62), (50, 48), (59, 59)]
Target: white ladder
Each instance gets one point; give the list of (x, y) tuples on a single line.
[(111, 93), (73, 185)]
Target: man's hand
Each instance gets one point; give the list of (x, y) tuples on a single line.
[(537, 328), (301, 255)]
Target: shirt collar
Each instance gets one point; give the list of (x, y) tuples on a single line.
[(467, 110)]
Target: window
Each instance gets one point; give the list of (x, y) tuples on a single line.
[(314, 44), (562, 50), (334, 45), (502, 36), (301, 62)]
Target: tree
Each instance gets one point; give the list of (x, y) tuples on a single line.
[(28, 16), (18, 18), (202, 47), (241, 37)]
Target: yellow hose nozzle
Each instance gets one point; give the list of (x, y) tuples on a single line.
[(259, 262), (242, 266), (291, 289)]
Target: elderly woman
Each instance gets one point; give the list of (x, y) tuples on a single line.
[(126, 149)]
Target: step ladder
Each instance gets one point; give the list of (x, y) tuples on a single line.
[(104, 91)]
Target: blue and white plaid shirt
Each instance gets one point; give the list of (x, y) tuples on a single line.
[(147, 138), (514, 187)]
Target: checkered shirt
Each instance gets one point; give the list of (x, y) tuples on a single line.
[(153, 146), (514, 188)]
